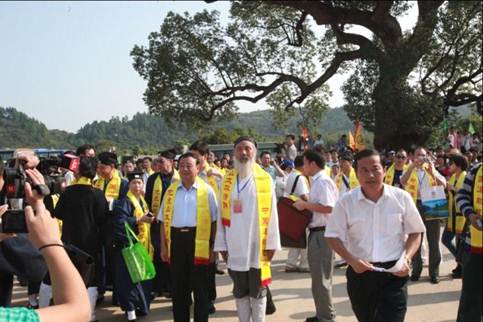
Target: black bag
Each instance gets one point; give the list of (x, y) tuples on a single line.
[(83, 262)]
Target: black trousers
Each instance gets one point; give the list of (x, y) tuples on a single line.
[(162, 280), (6, 286), (187, 277), (376, 296), (471, 301)]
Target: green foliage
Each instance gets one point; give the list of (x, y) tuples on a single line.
[(148, 134)]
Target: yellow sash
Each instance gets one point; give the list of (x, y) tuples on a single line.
[(455, 218), (144, 229), (264, 202), (158, 191), (353, 182), (212, 181), (82, 181), (328, 170), (203, 220), (412, 186), (113, 186), (389, 178), (476, 238)]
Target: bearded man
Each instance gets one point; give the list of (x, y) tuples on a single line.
[(247, 234)]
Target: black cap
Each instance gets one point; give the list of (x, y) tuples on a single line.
[(244, 138), (134, 175), (107, 158)]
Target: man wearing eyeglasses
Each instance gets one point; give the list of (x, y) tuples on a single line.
[(395, 171)]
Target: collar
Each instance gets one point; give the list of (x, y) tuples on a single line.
[(360, 195), (318, 175), (194, 186)]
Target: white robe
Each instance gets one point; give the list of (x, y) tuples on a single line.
[(241, 239)]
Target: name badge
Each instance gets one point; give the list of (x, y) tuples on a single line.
[(237, 206)]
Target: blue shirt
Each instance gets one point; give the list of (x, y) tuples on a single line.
[(186, 204)]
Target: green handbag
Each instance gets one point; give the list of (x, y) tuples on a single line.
[(136, 257)]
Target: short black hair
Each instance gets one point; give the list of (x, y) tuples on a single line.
[(299, 161), (108, 158), (460, 161), (83, 149), (189, 155), (313, 156), (87, 167), (201, 147), (265, 152), (347, 156), (291, 136), (167, 154), (365, 154), (148, 158)]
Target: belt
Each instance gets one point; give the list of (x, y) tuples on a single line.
[(183, 229), (384, 264), (315, 229)]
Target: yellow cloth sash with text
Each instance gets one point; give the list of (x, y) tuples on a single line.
[(476, 235), (212, 181), (264, 202), (455, 218), (389, 178), (113, 186), (203, 220), (412, 186), (158, 191), (144, 229), (353, 182)]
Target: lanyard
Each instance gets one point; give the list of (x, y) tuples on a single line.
[(238, 185)]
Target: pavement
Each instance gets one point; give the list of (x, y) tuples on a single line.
[(293, 298)]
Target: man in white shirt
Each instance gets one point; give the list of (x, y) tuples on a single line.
[(421, 175), (297, 185), (322, 197), (290, 148), (245, 221), (375, 227)]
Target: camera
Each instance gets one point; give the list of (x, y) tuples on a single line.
[(14, 176)]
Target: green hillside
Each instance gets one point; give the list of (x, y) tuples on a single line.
[(148, 133)]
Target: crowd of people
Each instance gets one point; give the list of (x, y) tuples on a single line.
[(194, 211)]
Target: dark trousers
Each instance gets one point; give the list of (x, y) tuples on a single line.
[(6, 286), (187, 277), (376, 296), (447, 240), (162, 280), (212, 281), (433, 234), (470, 307)]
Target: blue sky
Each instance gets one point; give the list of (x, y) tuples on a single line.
[(68, 63)]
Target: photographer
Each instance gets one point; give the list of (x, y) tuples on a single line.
[(69, 295), (422, 175), (15, 265)]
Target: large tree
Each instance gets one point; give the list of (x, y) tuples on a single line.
[(284, 52)]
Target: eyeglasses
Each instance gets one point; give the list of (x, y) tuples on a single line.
[(400, 157)]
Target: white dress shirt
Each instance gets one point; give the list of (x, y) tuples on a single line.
[(324, 192), (300, 189), (375, 231), (241, 239)]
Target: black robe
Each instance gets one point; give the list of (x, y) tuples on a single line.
[(83, 210)]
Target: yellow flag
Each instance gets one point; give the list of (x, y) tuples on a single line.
[(351, 143), (359, 140)]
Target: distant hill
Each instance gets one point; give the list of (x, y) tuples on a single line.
[(144, 132)]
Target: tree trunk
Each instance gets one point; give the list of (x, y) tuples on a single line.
[(399, 120)]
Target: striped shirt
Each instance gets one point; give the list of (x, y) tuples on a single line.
[(18, 314), (464, 197)]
